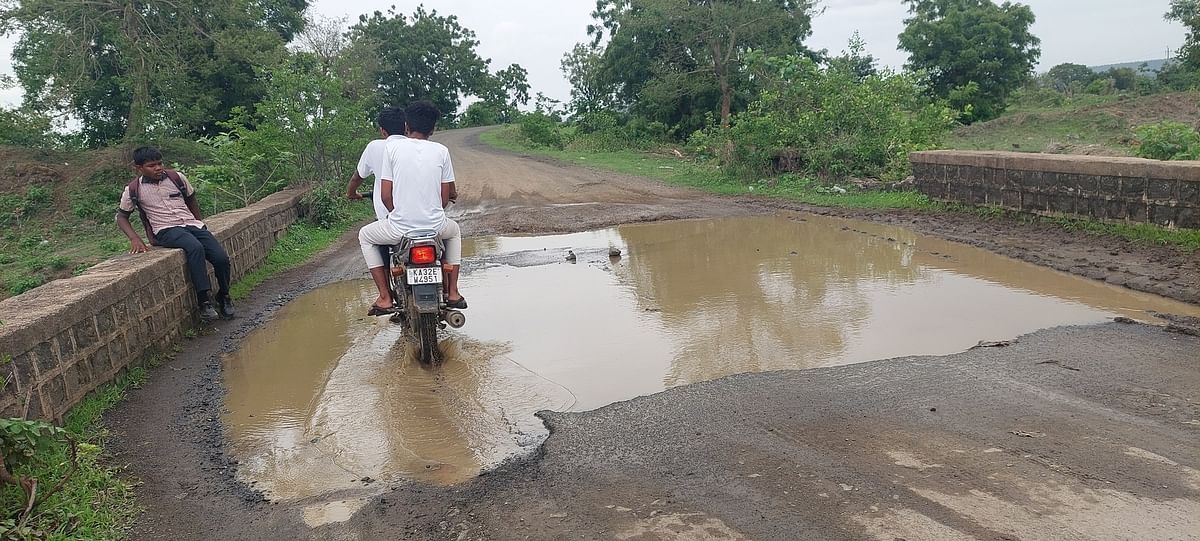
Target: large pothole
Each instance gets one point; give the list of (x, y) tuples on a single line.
[(324, 400)]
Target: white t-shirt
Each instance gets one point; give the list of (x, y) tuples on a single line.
[(371, 163), (417, 169)]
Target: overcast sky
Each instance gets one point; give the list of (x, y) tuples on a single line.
[(536, 33)]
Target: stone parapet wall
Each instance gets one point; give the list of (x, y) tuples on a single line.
[(62, 340), (1104, 188)]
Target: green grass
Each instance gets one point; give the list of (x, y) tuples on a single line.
[(1187, 239), (682, 172), (301, 241), (1097, 131), (96, 503)]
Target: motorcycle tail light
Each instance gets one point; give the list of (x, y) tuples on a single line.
[(423, 255)]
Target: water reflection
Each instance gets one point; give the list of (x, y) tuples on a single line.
[(323, 400)]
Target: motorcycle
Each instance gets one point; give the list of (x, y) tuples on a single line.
[(416, 283)]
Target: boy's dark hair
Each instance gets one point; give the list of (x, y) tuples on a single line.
[(422, 116), (141, 155), (391, 120)]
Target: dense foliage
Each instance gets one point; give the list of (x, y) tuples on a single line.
[(1168, 141), (124, 68), (677, 61), (832, 121)]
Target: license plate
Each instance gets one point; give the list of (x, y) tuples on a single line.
[(424, 275)]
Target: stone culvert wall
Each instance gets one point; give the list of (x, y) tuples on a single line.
[(62, 340), (1104, 188)]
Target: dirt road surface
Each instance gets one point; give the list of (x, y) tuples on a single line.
[(1069, 433)]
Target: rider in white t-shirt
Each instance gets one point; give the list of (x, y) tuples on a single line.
[(391, 128), (417, 184)]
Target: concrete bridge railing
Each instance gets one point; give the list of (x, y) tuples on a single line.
[(62, 340), (1104, 188)]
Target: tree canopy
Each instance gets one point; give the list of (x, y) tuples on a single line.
[(974, 51), (431, 56), (675, 61), (121, 66)]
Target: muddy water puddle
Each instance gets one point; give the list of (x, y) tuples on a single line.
[(323, 400)]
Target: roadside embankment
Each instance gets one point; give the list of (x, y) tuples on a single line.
[(1103, 188), (66, 338)]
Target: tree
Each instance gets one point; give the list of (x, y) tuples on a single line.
[(1187, 12), (1069, 77), (122, 67), (1124, 79), (582, 67), (677, 60), (426, 56), (856, 59), (958, 42)]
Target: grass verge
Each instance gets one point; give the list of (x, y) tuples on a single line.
[(301, 241), (96, 503), (673, 170)]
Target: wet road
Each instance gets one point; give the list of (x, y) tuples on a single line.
[(1075, 433), (1060, 436), (323, 400)]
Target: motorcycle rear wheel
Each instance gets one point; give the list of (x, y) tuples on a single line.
[(426, 339)]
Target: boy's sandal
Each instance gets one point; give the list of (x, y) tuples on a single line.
[(459, 304), (380, 311)]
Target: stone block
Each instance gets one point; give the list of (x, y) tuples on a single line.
[(1138, 211), (23, 370), (1188, 217), (106, 323), (65, 344), (85, 333), (1084, 184), (33, 408), (1011, 199), (1163, 215), (100, 361), (1161, 190), (1109, 185), (78, 379), (1062, 203), (1189, 192), (1037, 202), (1116, 209), (45, 359), (1133, 187), (54, 392)]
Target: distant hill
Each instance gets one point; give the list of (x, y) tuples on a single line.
[(1151, 66)]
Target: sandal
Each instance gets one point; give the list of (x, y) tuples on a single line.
[(380, 311), (459, 304)]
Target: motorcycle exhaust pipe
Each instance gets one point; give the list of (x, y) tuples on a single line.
[(455, 319)]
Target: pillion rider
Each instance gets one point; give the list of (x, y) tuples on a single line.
[(416, 185)]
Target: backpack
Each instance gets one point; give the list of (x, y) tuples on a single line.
[(135, 185)]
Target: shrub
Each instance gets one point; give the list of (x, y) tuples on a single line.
[(1168, 141), (830, 122), (327, 206), (99, 197), (26, 283), (541, 130)]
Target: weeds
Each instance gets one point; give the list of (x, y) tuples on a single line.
[(301, 241), (95, 503)]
